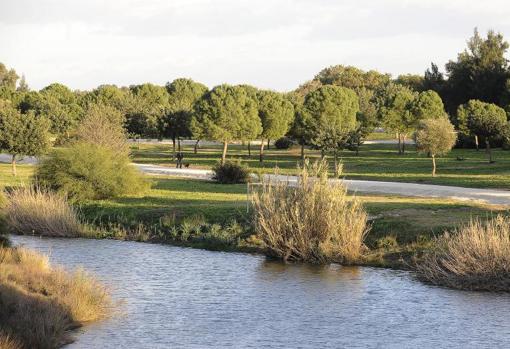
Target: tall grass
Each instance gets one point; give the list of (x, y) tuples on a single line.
[(33, 210), (39, 304), (313, 221), (475, 257)]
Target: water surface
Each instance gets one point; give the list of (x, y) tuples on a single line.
[(187, 298)]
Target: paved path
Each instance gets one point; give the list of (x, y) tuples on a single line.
[(490, 196)]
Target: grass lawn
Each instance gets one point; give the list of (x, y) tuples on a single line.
[(461, 167)]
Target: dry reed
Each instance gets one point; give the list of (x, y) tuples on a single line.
[(39, 304), (311, 221), (475, 257), (34, 210)]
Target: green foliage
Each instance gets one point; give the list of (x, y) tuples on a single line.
[(352, 77), (150, 105), (412, 81), (88, 171), (276, 114), (435, 137), (283, 143), (22, 134), (480, 72), (8, 77), (231, 172), (482, 119), (332, 111), (428, 105), (183, 94)]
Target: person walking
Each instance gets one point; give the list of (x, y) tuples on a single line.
[(179, 157)]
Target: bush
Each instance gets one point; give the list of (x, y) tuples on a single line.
[(40, 304), (32, 210), (475, 257), (88, 171), (230, 173), (283, 143), (313, 221)]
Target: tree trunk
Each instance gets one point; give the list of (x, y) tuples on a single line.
[(399, 144), (173, 148), (196, 146), (303, 151), (335, 162), (323, 154), (249, 149), (403, 144), (179, 143), (433, 165), (13, 164), (224, 154), (476, 143), (488, 147), (268, 143), (261, 155)]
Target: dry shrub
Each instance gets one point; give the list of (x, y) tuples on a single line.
[(475, 257), (313, 221), (8, 342), (33, 210), (40, 304)]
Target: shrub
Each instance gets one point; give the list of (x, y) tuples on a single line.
[(38, 211), (230, 172), (40, 304), (88, 171), (475, 257), (283, 143), (313, 221)]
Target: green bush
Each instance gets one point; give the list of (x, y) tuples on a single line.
[(88, 171), (230, 173), (283, 143)]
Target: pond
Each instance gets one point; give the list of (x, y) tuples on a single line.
[(177, 297)]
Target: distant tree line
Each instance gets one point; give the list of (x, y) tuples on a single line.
[(335, 110)]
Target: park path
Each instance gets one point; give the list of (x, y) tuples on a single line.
[(490, 196)]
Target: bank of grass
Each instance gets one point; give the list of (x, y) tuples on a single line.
[(461, 167), (401, 227), (40, 304)]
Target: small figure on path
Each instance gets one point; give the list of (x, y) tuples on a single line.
[(179, 157)]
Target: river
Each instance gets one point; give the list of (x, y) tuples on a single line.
[(175, 297)]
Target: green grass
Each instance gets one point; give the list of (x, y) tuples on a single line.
[(461, 167)]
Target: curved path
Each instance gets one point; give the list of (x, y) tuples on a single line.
[(490, 196)]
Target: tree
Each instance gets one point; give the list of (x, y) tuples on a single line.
[(480, 72), (366, 119), (352, 77), (395, 105), (226, 113), (103, 126), (150, 105), (23, 86), (428, 105), (276, 114), (182, 96), (8, 77), (413, 81), (60, 106), (482, 119), (332, 112), (22, 134), (435, 137)]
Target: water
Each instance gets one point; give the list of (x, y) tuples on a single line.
[(185, 298)]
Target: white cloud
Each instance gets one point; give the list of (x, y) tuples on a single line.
[(272, 44)]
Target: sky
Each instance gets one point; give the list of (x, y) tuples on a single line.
[(274, 44)]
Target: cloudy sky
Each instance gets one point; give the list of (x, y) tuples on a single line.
[(275, 44)]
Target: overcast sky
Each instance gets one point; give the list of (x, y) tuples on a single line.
[(275, 44)]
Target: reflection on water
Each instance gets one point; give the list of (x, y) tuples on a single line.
[(185, 298)]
